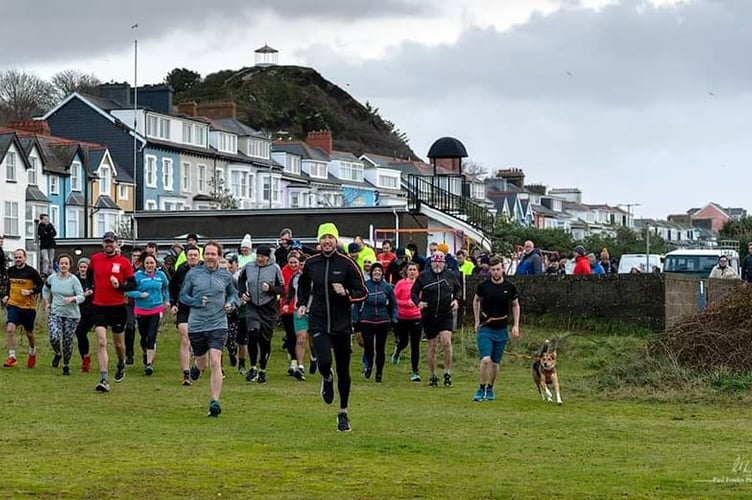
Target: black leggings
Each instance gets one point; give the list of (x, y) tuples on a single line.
[(148, 326), (82, 331), (260, 345), (410, 330), (375, 334), (341, 345), (290, 340), (130, 331)]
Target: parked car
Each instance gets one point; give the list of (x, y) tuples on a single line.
[(647, 263)]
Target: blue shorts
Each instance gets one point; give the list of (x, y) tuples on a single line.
[(23, 317), (491, 342), (300, 324)]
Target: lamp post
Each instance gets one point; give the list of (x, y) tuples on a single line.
[(135, 135), (629, 207)]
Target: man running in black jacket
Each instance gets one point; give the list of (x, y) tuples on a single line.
[(332, 282)]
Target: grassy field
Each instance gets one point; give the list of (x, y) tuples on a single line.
[(150, 437)]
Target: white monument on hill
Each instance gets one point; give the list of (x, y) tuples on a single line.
[(265, 56)]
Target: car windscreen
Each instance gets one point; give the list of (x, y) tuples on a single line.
[(689, 263)]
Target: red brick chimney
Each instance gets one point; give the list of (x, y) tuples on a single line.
[(217, 110), (320, 139), (189, 108), (34, 126)]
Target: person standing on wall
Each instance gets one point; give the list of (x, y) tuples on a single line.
[(46, 233), (332, 282)]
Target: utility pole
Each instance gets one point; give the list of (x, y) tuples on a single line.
[(135, 135)]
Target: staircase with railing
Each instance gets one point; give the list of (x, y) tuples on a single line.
[(449, 194)]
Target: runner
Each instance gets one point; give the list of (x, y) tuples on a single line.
[(180, 310), (408, 321), (21, 302)]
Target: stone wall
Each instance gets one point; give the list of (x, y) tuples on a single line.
[(653, 301), (718, 288)]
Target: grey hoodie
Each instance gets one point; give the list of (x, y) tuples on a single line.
[(218, 288), (251, 278)]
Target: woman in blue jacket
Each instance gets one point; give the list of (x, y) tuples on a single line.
[(152, 298), (373, 318)]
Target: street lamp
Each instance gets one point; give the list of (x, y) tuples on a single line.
[(629, 211)]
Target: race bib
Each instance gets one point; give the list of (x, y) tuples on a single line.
[(115, 268)]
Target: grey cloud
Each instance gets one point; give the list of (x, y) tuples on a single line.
[(54, 30), (628, 54)]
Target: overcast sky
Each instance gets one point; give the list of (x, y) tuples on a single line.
[(634, 101)]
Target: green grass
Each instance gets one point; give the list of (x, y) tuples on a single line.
[(150, 437)]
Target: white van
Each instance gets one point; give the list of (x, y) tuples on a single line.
[(647, 263), (698, 262)]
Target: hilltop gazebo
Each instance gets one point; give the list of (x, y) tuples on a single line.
[(265, 56)]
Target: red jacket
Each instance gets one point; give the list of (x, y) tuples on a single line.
[(287, 274), (582, 265)]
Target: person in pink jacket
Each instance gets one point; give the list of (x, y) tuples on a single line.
[(408, 321)]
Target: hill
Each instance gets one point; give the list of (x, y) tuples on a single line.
[(298, 100)]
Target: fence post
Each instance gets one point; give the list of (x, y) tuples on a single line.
[(701, 300)]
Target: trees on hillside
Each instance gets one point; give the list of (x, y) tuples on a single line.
[(182, 79), (68, 81)]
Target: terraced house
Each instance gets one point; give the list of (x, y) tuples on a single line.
[(77, 184)]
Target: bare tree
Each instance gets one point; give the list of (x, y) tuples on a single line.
[(473, 168), (23, 95), (72, 80)]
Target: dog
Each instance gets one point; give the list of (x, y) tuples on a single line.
[(544, 373)]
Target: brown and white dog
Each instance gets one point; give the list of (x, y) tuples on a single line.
[(544, 373)]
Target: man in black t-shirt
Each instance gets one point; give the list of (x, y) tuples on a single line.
[(494, 298)]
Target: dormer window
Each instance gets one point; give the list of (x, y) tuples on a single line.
[(32, 171)]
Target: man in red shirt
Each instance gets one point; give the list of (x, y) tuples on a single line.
[(387, 255), (111, 275)]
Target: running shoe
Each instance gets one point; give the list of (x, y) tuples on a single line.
[(313, 366), (120, 373), (66, 370), (214, 408), (10, 362), (414, 377), (195, 373), (187, 380), (129, 360), (300, 374), (102, 386), (448, 379), (148, 370), (379, 378), (32, 361), (395, 357), (327, 389), (56, 360), (252, 375), (343, 423), (490, 396), (480, 394), (433, 381), (367, 373), (261, 378)]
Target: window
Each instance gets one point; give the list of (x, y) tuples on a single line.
[(76, 176), (55, 215), (292, 164), (188, 132), (122, 192), (54, 184), (10, 167), (201, 135), (294, 200), (157, 126), (185, 184), (259, 148), (72, 223), (351, 171), (10, 220), (150, 173), (150, 205), (239, 184), (252, 186), (227, 143), (274, 189), (105, 180), (101, 223), (219, 180), (167, 174), (318, 170), (33, 212), (388, 182), (202, 178), (31, 173)]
